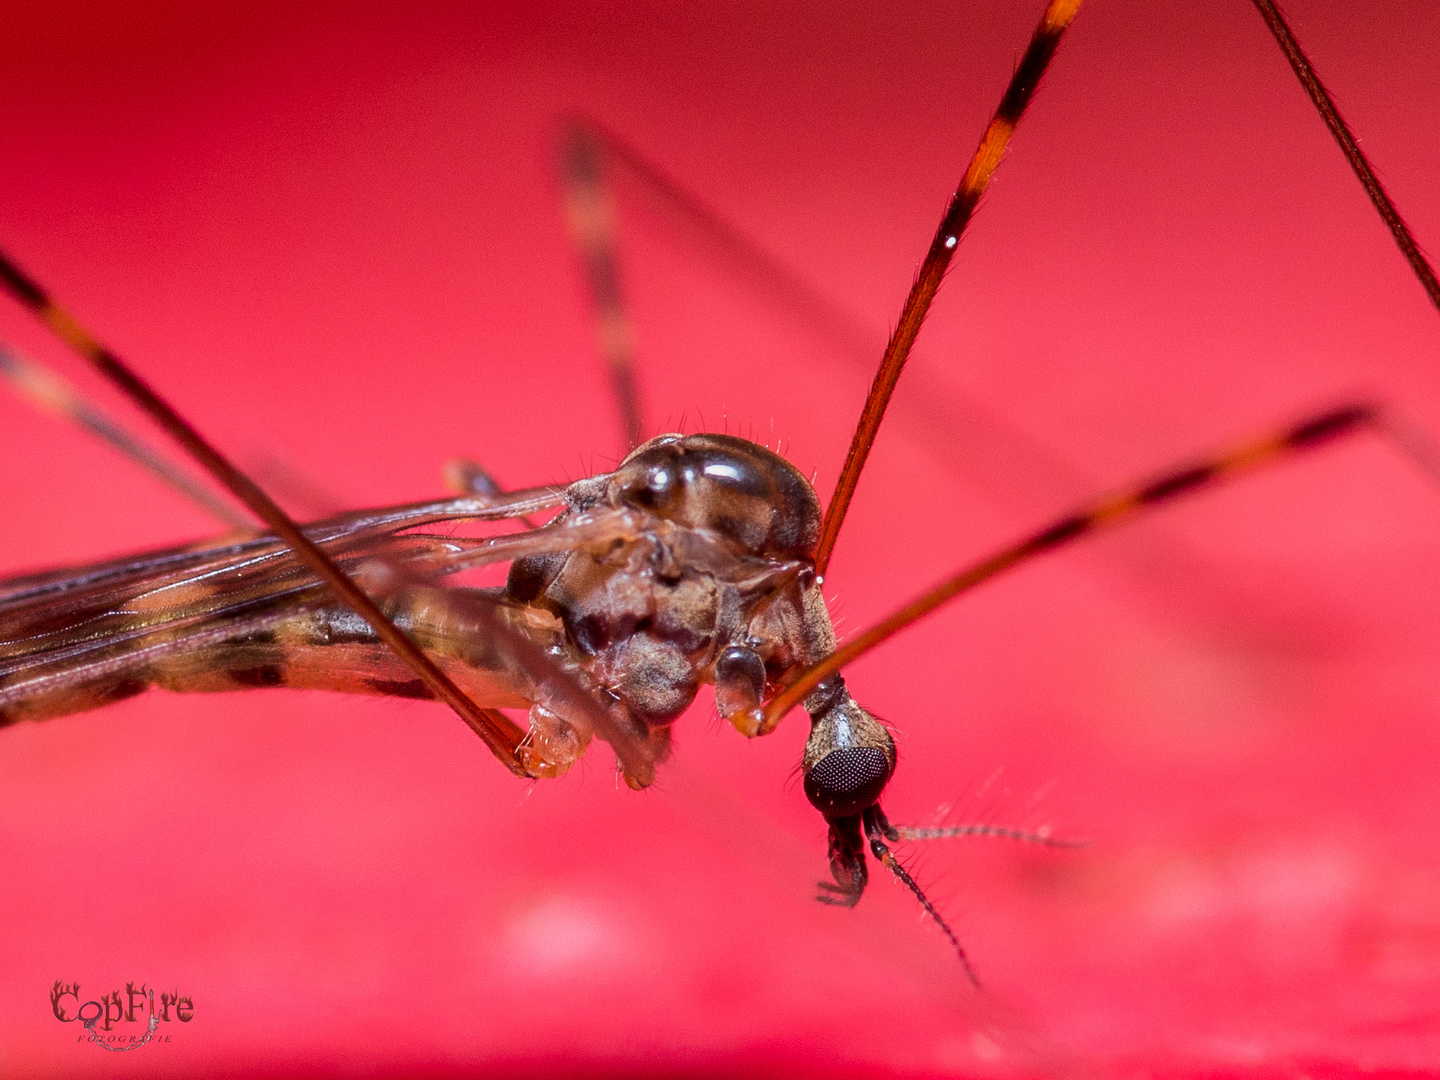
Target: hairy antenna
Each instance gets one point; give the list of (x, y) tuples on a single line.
[(877, 831), (1000, 832)]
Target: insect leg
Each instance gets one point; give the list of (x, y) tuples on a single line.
[(503, 741), (988, 155), (1305, 72), (1103, 513), (466, 476), (47, 391), (1012, 470), (590, 215), (565, 693)]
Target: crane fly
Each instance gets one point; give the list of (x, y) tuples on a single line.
[(1313, 428)]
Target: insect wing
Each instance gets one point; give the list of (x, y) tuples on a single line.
[(64, 628)]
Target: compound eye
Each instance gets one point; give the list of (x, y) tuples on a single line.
[(847, 780)]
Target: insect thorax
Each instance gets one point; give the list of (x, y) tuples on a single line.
[(716, 584)]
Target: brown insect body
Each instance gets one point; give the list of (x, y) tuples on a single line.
[(721, 588), (691, 563), (652, 580)]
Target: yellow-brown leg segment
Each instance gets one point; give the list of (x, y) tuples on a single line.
[(1058, 14), (503, 740), (1104, 513), (590, 215)]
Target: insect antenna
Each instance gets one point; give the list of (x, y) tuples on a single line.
[(1305, 72), (877, 830), (1092, 517), (1001, 832), (988, 154)]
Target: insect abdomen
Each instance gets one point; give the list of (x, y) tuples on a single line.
[(327, 649)]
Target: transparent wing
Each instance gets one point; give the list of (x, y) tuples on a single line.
[(112, 617)]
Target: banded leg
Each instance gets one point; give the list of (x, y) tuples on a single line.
[(590, 215), (47, 391), (1009, 468), (1101, 514), (503, 739), (1350, 147), (1057, 17)]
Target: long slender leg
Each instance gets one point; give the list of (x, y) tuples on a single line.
[(1104, 513), (733, 248), (1010, 468), (46, 390), (1305, 72), (502, 739), (932, 271), (590, 214)]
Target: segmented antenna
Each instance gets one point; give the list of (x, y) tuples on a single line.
[(999, 832), (877, 828)]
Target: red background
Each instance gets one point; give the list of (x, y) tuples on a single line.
[(335, 237)]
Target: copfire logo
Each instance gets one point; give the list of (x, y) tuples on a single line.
[(103, 1013)]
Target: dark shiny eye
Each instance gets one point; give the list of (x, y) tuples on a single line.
[(847, 780)]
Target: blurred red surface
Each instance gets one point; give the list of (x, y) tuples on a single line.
[(332, 237)]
